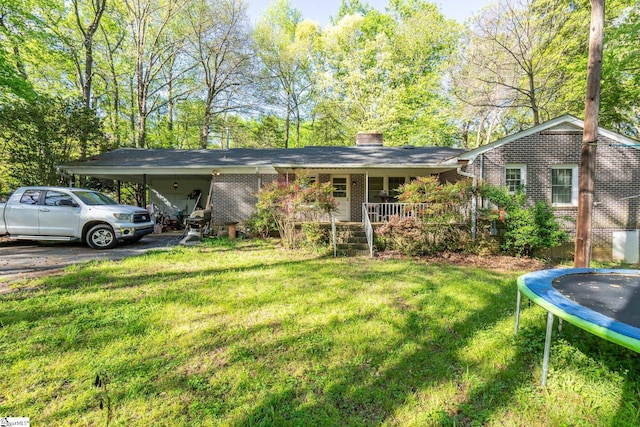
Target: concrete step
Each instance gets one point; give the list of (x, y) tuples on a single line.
[(353, 253), (353, 246), (360, 239)]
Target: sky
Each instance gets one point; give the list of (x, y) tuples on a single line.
[(321, 10)]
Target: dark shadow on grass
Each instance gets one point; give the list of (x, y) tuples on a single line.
[(369, 394)]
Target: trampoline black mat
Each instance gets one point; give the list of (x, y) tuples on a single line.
[(614, 295)]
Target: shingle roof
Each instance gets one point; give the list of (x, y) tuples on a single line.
[(308, 156)]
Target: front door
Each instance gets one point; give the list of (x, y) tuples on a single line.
[(341, 196)]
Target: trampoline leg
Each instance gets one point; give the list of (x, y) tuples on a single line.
[(547, 348), (518, 311)]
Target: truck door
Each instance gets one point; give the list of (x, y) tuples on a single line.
[(59, 214), (21, 215)]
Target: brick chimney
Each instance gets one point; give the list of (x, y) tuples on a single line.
[(369, 139)]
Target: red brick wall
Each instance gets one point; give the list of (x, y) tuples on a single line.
[(617, 176), (235, 196)]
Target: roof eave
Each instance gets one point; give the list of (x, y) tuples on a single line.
[(173, 170), (366, 166), (471, 155)]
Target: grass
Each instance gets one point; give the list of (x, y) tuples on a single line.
[(247, 334)]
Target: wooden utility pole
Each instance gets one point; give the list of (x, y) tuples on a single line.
[(589, 138)]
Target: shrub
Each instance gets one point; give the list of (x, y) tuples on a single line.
[(261, 224), (405, 234), (413, 236), (445, 202), (289, 204), (527, 228), (439, 226), (314, 236)]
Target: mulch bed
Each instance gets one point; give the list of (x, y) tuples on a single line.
[(489, 262)]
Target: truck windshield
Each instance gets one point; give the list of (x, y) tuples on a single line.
[(93, 198)]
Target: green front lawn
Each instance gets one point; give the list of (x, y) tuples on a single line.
[(248, 334)]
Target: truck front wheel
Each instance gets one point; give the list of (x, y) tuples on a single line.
[(101, 236)]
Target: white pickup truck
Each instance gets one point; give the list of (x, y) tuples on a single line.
[(67, 214)]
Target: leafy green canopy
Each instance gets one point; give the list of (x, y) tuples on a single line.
[(383, 71), (38, 135)]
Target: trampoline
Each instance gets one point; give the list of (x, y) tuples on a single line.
[(605, 302)]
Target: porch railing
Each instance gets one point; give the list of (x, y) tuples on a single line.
[(381, 212), (368, 229), (334, 235)]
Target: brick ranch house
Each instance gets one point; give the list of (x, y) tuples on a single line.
[(544, 160)]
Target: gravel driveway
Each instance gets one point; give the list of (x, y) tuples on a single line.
[(23, 259)]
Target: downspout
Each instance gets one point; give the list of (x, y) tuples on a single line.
[(366, 187), (474, 200)]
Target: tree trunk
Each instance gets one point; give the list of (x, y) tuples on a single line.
[(287, 124), (132, 115), (87, 43), (533, 100), (589, 138), (141, 100), (204, 130), (297, 128), (141, 141), (170, 100)]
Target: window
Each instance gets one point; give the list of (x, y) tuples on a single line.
[(339, 187), (515, 177), (56, 198), (30, 197), (564, 185), (384, 189), (308, 180), (394, 183), (93, 198), (376, 185)]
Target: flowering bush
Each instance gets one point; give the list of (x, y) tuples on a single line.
[(445, 202), (297, 202), (441, 224)]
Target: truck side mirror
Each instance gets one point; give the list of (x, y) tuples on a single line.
[(67, 202)]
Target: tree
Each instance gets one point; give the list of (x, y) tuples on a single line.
[(285, 44), (38, 135), (85, 68), (15, 18), (88, 31), (382, 71), (220, 43), (621, 71), (12, 84), (154, 46), (116, 65), (516, 59)]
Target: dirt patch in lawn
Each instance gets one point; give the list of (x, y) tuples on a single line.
[(488, 262)]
